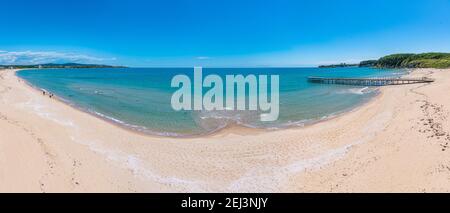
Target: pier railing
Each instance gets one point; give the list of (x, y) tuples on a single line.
[(379, 81)]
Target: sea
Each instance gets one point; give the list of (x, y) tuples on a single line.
[(140, 98)]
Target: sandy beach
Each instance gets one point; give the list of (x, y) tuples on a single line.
[(398, 142)]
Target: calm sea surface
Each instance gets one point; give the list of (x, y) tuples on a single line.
[(139, 98)]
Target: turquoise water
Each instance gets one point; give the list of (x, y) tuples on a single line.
[(139, 98)]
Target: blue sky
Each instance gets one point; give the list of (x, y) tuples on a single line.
[(219, 33)]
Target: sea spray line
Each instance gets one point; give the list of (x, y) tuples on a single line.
[(236, 99)]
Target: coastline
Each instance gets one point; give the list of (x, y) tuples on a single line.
[(125, 126), (220, 130), (79, 152)]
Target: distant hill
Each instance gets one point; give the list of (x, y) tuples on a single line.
[(405, 60), (338, 65), (424, 60), (65, 65), (368, 63)]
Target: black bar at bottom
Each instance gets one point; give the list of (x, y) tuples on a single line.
[(218, 202)]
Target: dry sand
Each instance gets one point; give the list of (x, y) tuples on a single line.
[(397, 142)]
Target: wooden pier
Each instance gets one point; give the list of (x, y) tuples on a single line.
[(370, 81)]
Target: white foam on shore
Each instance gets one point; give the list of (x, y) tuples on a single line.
[(356, 91), (44, 111), (272, 179), (136, 165)]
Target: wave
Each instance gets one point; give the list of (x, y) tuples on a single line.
[(356, 91), (138, 128)]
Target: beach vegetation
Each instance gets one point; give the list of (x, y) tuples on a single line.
[(368, 63), (338, 65), (423, 60), (405, 60)]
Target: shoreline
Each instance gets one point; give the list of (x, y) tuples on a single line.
[(219, 131), (47, 146), (136, 130)]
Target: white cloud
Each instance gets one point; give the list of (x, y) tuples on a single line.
[(41, 57)]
